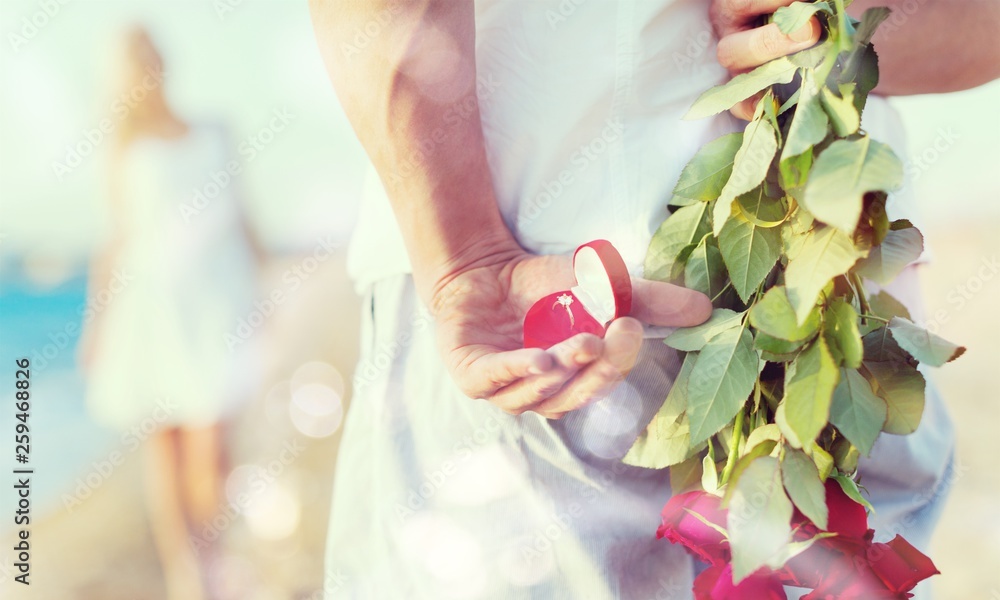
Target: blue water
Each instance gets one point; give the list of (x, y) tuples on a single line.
[(43, 325)]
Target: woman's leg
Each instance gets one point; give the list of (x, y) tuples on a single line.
[(202, 473), (167, 517)]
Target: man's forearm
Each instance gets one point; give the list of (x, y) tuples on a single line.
[(935, 46), (410, 94)]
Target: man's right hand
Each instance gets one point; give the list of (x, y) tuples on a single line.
[(479, 313)]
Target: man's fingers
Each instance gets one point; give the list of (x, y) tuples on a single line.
[(488, 370), (621, 348), (744, 109), (751, 48), (568, 356), (658, 303), (730, 16)]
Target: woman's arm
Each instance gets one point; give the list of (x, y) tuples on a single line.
[(935, 46)]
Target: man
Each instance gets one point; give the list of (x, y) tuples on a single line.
[(504, 134)]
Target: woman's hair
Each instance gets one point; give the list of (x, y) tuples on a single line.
[(137, 83)]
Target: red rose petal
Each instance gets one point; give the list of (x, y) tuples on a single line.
[(705, 582), (847, 517), (760, 585), (681, 527), (850, 579), (899, 565)]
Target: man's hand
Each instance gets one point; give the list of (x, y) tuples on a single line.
[(743, 45), (479, 314)]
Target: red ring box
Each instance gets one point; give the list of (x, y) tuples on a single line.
[(603, 293)]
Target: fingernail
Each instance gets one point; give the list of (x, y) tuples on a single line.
[(804, 34)]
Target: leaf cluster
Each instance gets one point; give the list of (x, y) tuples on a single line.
[(799, 369)]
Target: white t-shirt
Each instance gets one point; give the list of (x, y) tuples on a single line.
[(582, 104)]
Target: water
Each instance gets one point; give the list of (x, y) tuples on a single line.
[(43, 325)]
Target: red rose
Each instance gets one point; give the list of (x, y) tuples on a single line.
[(716, 583), (899, 565), (700, 539), (848, 578), (847, 517)]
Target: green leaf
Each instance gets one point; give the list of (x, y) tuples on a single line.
[(741, 87), (681, 201), (795, 230), (705, 270), (749, 251), (822, 459), (844, 116), (923, 345), (793, 549), (762, 448), (759, 519), (885, 261), (749, 167), (804, 487), (758, 436), (777, 347), (870, 20), (856, 411), (841, 327), (867, 76), (709, 474), (722, 379), (773, 315), (902, 388), (686, 476), (845, 455), (809, 383), (665, 441), (691, 339), (685, 226), (883, 305), (881, 346), (809, 124), (795, 16), (705, 175), (843, 173), (825, 252), (810, 58), (850, 488), (794, 172)]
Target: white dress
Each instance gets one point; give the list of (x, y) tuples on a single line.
[(440, 496), (184, 277)]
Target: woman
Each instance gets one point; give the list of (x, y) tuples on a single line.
[(158, 353), (505, 134)]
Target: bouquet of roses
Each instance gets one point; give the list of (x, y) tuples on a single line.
[(799, 369)]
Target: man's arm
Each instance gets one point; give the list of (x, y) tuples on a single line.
[(396, 91), (941, 46), (417, 64)]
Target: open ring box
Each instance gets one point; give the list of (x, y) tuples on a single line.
[(603, 293)]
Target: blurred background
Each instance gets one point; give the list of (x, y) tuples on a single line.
[(250, 70)]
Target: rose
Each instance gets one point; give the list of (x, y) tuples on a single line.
[(680, 525), (899, 565), (844, 566), (847, 519), (716, 583)]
